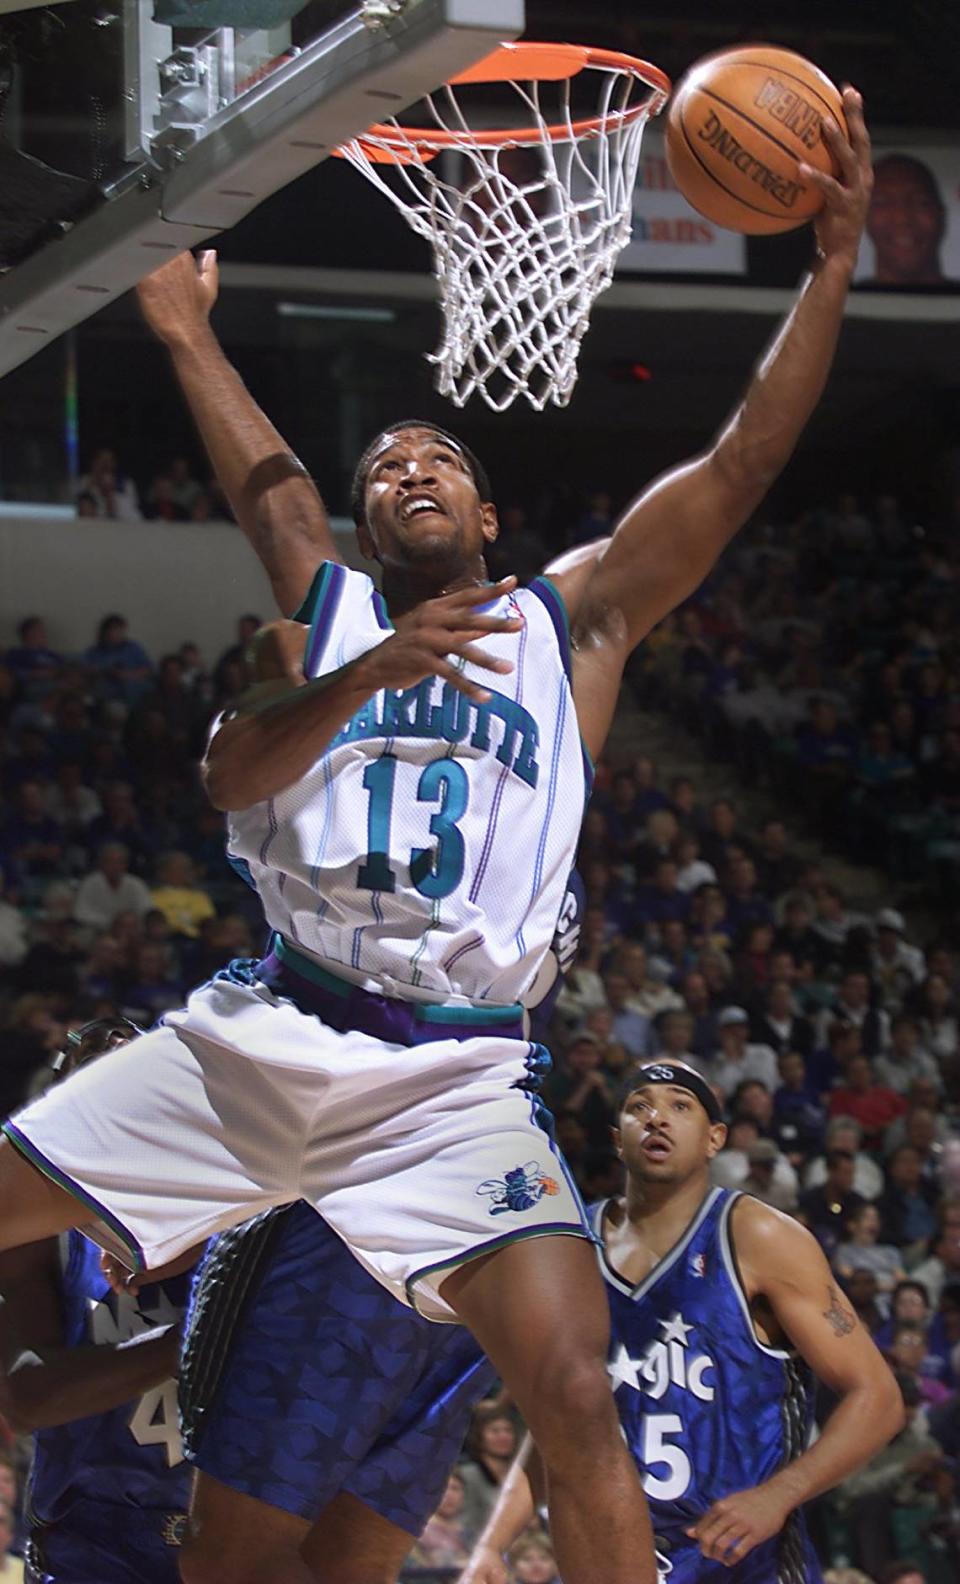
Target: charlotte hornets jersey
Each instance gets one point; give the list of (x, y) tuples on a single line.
[(108, 1494), (706, 1408), (426, 853), (540, 998)]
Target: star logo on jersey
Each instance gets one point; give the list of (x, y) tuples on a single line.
[(519, 1189), (622, 1370), (667, 1362), (675, 1329)]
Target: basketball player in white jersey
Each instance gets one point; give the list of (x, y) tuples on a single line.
[(408, 816)]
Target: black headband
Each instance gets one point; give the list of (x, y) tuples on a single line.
[(682, 1077)]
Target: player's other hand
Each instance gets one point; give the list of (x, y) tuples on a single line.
[(485, 1567), (840, 223), (178, 296), (429, 639), (737, 1523), (277, 652)]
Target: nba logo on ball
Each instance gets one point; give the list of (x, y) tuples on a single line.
[(738, 126)]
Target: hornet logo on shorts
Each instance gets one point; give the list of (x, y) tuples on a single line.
[(519, 1189)]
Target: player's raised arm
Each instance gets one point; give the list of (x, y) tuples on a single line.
[(669, 539), (43, 1382), (784, 1269), (272, 496), (571, 572)]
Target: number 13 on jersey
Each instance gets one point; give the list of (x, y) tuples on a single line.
[(435, 871)]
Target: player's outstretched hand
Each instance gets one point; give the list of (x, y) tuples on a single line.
[(178, 296), (839, 225), (737, 1523), (485, 1567), (429, 638)]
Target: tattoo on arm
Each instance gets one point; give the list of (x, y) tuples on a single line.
[(839, 1317)]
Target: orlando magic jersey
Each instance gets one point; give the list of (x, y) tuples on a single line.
[(108, 1494), (706, 1408), (426, 853)]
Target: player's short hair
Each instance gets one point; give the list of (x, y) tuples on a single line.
[(358, 488)]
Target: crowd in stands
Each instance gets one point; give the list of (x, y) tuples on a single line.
[(114, 892), (822, 657), (832, 1036), (174, 494)]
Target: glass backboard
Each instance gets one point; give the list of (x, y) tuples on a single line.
[(130, 130)]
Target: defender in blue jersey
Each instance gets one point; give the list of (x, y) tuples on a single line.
[(720, 1310), (91, 1373)]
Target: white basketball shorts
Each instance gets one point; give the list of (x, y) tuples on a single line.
[(419, 1157)]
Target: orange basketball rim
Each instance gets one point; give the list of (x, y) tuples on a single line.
[(529, 62), (521, 247)]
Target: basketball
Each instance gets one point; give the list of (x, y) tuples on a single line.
[(738, 124)]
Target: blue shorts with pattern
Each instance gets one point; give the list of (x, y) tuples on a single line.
[(303, 1377)]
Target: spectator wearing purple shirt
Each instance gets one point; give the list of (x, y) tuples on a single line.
[(121, 665), (800, 1118), (662, 900), (31, 838), (622, 816), (630, 1028), (822, 742), (721, 834), (33, 663), (746, 904), (696, 996), (649, 795), (121, 822)]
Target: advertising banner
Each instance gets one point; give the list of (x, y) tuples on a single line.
[(667, 233)]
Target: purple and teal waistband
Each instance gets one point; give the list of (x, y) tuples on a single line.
[(345, 1007)]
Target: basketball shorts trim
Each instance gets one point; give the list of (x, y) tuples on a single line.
[(420, 1157), (322, 1382)]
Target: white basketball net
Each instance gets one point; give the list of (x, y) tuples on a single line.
[(520, 258)]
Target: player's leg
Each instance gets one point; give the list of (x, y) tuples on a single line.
[(538, 1309), (352, 1544), (165, 1140), (433, 1188), (307, 1390), (32, 1205), (235, 1539)]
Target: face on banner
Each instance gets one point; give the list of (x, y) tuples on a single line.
[(670, 235), (913, 226)]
